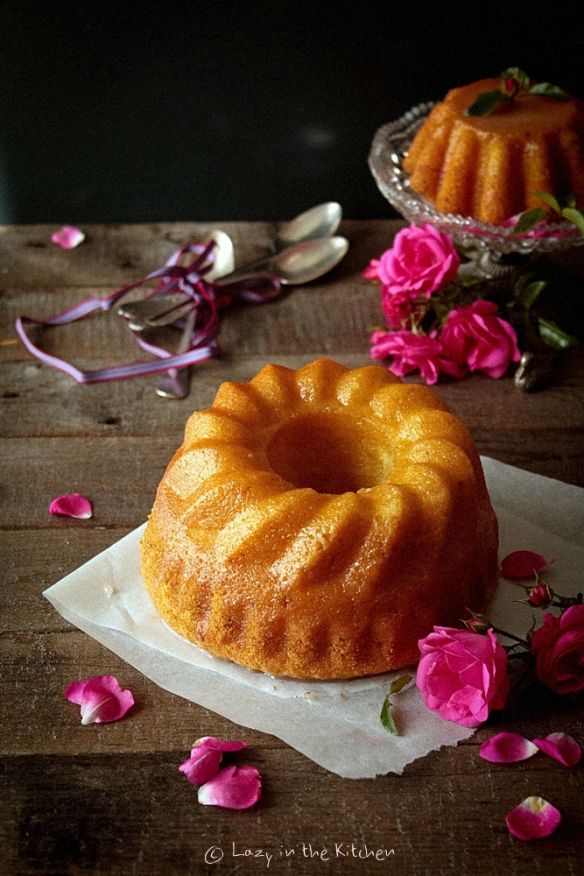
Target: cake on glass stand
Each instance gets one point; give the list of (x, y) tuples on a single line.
[(493, 251), (491, 247)]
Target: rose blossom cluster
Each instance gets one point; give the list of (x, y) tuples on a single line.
[(462, 674), (413, 274)]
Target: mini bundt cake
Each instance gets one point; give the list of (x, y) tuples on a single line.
[(317, 523), (489, 166)]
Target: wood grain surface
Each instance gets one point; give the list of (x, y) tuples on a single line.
[(108, 799)]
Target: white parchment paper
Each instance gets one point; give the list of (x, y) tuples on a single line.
[(336, 724)]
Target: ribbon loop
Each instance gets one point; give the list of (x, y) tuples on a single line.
[(207, 299)]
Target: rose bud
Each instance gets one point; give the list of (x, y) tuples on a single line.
[(540, 594), (477, 624)]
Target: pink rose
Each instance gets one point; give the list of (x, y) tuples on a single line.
[(371, 272), (398, 308), (558, 648), (462, 675), (421, 260), (474, 336), (411, 351)]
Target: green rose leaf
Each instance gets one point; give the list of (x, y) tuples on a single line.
[(398, 684), (532, 628), (549, 199), (531, 292), (513, 80), (485, 103), (387, 718), (575, 216), (546, 89), (518, 75), (528, 219), (554, 336)]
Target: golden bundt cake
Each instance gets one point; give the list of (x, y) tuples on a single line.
[(488, 167), (317, 523)]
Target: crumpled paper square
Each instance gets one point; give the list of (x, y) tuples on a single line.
[(335, 724)]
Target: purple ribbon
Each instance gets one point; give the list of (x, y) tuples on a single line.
[(207, 299)]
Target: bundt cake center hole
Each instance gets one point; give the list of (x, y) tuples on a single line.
[(330, 453)]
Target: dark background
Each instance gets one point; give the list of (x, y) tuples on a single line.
[(228, 110)]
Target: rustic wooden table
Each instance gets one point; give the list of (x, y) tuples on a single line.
[(109, 799)]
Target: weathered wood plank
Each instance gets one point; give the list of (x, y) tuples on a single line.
[(39, 402), (118, 475), (33, 560), (113, 255), (302, 320), (104, 813)]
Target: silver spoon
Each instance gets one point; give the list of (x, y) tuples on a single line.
[(294, 266), (175, 383), (316, 223), (320, 221), (297, 264)]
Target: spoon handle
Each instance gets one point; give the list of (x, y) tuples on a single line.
[(175, 383), (259, 265)]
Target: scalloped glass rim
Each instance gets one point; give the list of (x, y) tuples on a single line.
[(391, 143)]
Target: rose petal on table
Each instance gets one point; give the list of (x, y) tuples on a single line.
[(232, 788), (534, 818), (217, 744), (561, 747), (507, 748), (202, 765), (101, 699), (68, 237), (521, 565), (71, 505)]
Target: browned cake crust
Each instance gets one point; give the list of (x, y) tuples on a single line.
[(317, 523), (488, 167)]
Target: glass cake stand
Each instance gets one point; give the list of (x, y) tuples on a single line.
[(487, 244)]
